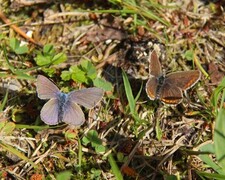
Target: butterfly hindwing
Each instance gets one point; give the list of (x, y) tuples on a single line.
[(50, 112), (170, 94), (73, 114), (151, 88)]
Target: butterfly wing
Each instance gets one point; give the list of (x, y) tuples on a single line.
[(73, 114), (170, 94), (151, 87), (155, 72), (88, 97), (184, 79), (46, 89), (50, 112), (154, 65)]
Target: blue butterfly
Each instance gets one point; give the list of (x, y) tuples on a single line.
[(64, 107)]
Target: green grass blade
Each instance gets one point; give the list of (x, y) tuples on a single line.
[(211, 175), (146, 13), (4, 100), (217, 94), (139, 93), (204, 155), (16, 152), (21, 75), (129, 93), (7, 60), (79, 154), (132, 9), (115, 168), (24, 126), (219, 136)]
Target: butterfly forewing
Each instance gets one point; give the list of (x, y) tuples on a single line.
[(170, 94), (73, 114), (87, 97), (154, 65), (50, 112), (184, 79), (46, 89), (151, 87)]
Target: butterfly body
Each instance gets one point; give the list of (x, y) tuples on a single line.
[(160, 82), (64, 107), (63, 102), (168, 88)]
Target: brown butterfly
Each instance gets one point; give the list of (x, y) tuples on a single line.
[(168, 88)]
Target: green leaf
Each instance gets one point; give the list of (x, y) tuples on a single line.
[(49, 57), (48, 49), (22, 50), (85, 141), (84, 65), (59, 58), (66, 75), (78, 75), (16, 47), (120, 156), (92, 136), (50, 71), (91, 73), (189, 55), (14, 43), (87, 67), (95, 174), (65, 175), (70, 135), (100, 149), (103, 84), (85, 72), (219, 138), (209, 148), (42, 60)]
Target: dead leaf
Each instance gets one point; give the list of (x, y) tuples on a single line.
[(215, 75)]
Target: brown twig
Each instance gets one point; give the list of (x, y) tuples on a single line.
[(17, 29)]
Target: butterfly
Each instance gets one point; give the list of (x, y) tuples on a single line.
[(168, 88), (64, 107)]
